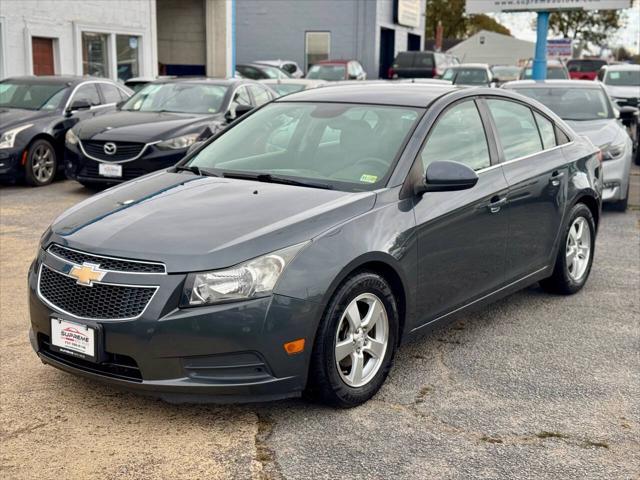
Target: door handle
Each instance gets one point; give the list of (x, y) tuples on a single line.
[(496, 204), (555, 178)]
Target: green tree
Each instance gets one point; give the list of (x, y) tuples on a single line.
[(586, 26), (485, 22), (455, 24)]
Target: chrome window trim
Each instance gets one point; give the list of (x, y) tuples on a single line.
[(109, 258), (87, 82), (100, 160), (57, 309), (482, 170)]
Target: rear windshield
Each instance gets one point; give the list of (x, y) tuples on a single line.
[(553, 73), (623, 78), (327, 72), (404, 59), (585, 65), (470, 76)]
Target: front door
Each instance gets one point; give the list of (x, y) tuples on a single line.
[(537, 178), (42, 49), (461, 234)]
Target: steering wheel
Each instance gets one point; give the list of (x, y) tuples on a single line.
[(372, 161)]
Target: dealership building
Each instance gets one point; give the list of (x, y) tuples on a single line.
[(308, 31)]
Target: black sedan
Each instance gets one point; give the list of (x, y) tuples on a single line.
[(155, 128), (297, 249), (35, 114)]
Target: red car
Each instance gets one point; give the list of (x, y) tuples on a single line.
[(585, 68), (336, 70)]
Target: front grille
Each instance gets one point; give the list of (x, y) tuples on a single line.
[(112, 264), (114, 365), (100, 301), (124, 150)]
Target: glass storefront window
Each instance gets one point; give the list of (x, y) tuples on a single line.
[(316, 48), (95, 57), (127, 55)]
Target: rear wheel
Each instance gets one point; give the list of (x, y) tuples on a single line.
[(575, 255), (41, 164), (355, 343)]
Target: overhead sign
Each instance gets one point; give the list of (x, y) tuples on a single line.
[(486, 6), (408, 12), (559, 47)]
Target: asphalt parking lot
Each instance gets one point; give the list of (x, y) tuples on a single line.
[(535, 386)]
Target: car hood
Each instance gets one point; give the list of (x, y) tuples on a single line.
[(600, 132), (141, 126), (194, 223), (623, 91), (14, 117)]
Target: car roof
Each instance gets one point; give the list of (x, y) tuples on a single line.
[(293, 81), (552, 83), (203, 80), (61, 79), (405, 94)]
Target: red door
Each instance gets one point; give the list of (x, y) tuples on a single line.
[(42, 49)]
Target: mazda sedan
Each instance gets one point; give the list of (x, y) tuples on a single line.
[(297, 249)]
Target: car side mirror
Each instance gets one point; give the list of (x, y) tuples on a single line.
[(447, 176), (78, 105), (628, 114)]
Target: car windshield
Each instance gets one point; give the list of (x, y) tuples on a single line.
[(327, 72), (572, 103), (623, 78), (343, 146), (470, 76), (553, 73), (35, 96), (285, 88), (177, 97), (273, 72)]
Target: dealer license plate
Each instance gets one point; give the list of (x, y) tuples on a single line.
[(110, 170), (73, 338)]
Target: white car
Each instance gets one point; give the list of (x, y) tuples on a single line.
[(288, 66)]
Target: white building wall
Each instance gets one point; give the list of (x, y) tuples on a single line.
[(64, 21), (493, 48)]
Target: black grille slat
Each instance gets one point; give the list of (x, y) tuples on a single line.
[(112, 264), (100, 301), (124, 150)]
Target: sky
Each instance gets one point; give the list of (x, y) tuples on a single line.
[(522, 26)]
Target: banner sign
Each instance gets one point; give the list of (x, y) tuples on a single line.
[(560, 47), (408, 12), (486, 6)]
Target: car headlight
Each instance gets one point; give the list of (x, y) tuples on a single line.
[(8, 138), (251, 279), (71, 138), (177, 143), (612, 151)]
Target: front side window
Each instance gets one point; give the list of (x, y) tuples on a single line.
[(177, 97), (40, 96), (547, 132), (516, 127), (316, 47), (87, 93), (458, 136), (95, 58), (347, 146), (127, 56), (260, 95)]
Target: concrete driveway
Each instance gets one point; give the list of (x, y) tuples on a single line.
[(535, 386)]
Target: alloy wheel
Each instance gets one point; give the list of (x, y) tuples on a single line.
[(361, 340), (42, 163), (578, 249)]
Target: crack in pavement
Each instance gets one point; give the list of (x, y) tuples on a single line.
[(265, 455)]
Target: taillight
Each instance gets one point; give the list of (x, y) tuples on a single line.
[(434, 72), (599, 155), (390, 73)]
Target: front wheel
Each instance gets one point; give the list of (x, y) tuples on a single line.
[(41, 164), (575, 255), (355, 343)]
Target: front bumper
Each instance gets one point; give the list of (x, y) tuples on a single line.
[(225, 353), (80, 167), (616, 177), (10, 167)]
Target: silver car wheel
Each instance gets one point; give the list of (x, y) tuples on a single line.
[(578, 250), (42, 163), (361, 340)]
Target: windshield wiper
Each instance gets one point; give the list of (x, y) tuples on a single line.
[(269, 178), (195, 169)]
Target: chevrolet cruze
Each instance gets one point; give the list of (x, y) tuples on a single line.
[(294, 251)]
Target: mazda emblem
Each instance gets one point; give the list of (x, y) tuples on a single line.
[(110, 148)]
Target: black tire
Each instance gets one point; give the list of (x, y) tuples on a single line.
[(325, 382), (561, 282), (42, 163)]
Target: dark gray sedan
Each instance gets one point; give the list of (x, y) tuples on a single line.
[(298, 248)]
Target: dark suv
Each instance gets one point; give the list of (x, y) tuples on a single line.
[(421, 64)]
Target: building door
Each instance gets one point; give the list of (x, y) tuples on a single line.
[(413, 42), (387, 50), (42, 49)]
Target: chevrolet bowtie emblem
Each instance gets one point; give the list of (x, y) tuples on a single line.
[(87, 273)]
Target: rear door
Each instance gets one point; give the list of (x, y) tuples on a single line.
[(536, 172), (462, 234)]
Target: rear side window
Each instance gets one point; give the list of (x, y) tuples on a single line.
[(516, 127), (458, 136), (547, 133), (260, 94)]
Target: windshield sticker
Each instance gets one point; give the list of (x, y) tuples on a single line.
[(369, 178), (614, 75)]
